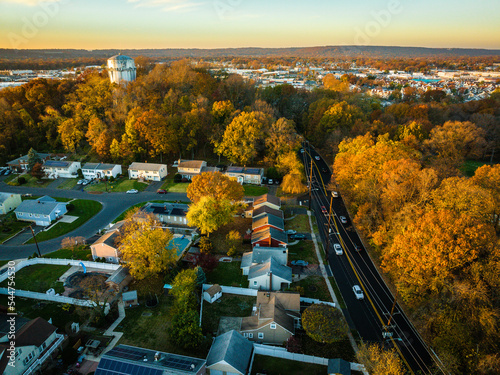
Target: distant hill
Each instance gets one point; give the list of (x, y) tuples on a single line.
[(318, 52)]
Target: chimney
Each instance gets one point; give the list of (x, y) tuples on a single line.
[(270, 281)]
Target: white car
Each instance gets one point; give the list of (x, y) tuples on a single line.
[(338, 249), (291, 231), (335, 194), (358, 292), (316, 157), (343, 219), (132, 191)]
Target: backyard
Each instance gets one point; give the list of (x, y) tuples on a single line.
[(278, 366), (228, 274), (218, 238), (303, 250), (80, 253), (255, 191), (314, 287), (227, 305), (83, 208), (39, 278)]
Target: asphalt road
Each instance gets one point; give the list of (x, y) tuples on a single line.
[(113, 204), (369, 316)]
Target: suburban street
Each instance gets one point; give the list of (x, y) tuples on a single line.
[(369, 316), (113, 204)]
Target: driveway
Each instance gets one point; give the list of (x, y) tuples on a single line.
[(22, 237), (153, 186)]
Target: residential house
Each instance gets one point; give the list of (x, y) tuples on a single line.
[(36, 342), (99, 170), (261, 255), (267, 200), (270, 275), (246, 175), (130, 298), (269, 237), (338, 366), (147, 171), (168, 213), (119, 279), (252, 212), (213, 293), (131, 360), (189, 168), (9, 201), (21, 163), (106, 247), (61, 168), (274, 318), (264, 221), (42, 211), (230, 354)]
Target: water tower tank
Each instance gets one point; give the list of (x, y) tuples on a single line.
[(121, 68)]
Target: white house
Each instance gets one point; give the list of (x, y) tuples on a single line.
[(246, 175), (36, 342), (189, 168), (270, 275), (213, 293), (9, 201), (147, 171), (41, 211), (100, 170), (61, 168)]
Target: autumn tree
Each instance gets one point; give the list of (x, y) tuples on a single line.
[(208, 214), (233, 240), (324, 323), (380, 361), (143, 246), (37, 171), (488, 177), (206, 246), (215, 185), (282, 139)]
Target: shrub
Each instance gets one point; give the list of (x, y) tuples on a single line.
[(177, 178), (21, 180), (111, 179), (70, 207)]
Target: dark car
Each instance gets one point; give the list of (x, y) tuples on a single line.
[(357, 247), (301, 263), (161, 191), (298, 236)]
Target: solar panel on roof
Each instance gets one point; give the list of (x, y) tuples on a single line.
[(235, 169), (177, 363), (253, 171), (54, 163), (127, 353), (117, 367)]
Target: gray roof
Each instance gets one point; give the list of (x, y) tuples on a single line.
[(268, 219), (127, 296), (266, 209), (5, 196), (118, 275), (266, 198), (232, 348), (98, 166), (173, 209), (272, 265), (265, 233), (246, 259), (261, 254), (109, 238), (38, 206), (24, 159), (146, 166)]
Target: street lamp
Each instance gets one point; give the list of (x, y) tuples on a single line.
[(36, 242)]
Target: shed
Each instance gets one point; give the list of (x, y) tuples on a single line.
[(130, 298), (213, 293), (166, 289), (338, 366)]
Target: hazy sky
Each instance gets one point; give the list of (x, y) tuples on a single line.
[(95, 24)]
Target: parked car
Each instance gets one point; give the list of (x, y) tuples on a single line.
[(298, 236), (358, 292), (291, 231), (316, 157), (343, 219), (323, 209), (270, 181), (85, 182), (335, 194), (161, 191), (357, 247), (338, 249), (301, 263), (132, 191), (7, 172)]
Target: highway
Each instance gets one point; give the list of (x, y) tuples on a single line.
[(371, 316)]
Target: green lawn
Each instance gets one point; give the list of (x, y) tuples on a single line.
[(255, 191), (314, 287), (84, 209), (304, 250), (300, 223), (227, 305), (39, 278), (174, 187), (228, 274), (30, 181), (119, 186), (278, 366), (470, 166), (81, 253), (68, 184), (10, 226)]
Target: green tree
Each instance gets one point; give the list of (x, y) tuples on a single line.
[(324, 323), (209, 214), (185, 330), (33, 158), (184, 288)]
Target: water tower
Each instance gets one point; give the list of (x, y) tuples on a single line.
[(121, 68)]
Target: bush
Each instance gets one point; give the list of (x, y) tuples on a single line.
[(21, 180), (80, 173), (111, 179), (70, 207), (177, 178)]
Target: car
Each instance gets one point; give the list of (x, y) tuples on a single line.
[(161, 191), (85, 182), (9, 171), (323, 209), (343, 219), (270, 181), (176, 164), (301, 263), (335, 194), (298, 236), (357, 247), (291, 231), (358, 292), (302, 150), (338, 249), (132, 191), (79, 182), (316, 157), (324, 170)]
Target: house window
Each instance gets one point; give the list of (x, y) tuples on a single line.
[(245, 334), (44, 345), (261, 335), (273, 325), (250, 335), (255, 282)]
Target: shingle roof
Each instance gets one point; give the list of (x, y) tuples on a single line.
[(34, 333), (232, 348), (273, 233), (5, 196), (268, 219), (98, 166), (267, 210), (146, 166), (57, 163), (261, 254), (213, 290), (271, 265), (191, 164), (37, 207), (108, 238), (266, 198)]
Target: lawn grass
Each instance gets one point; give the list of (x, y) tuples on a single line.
[(30, 181), (81, 253), (3, 262), (227, 305), (174, 187), (218, 238), (314, 287), (84, 209), (119, 186), (304, 250), (228, 274), (39, 278), (68, 184), (278, 366), (10, 226), (255, 191), (470, 166), (9, 178), (300, 223)]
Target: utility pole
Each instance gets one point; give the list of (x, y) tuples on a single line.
[(392, 311), (36, 243), (310, 183)]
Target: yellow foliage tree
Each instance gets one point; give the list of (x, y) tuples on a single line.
[(216, 185), (378, 361)]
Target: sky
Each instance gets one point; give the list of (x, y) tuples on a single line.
[(137, 24)]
